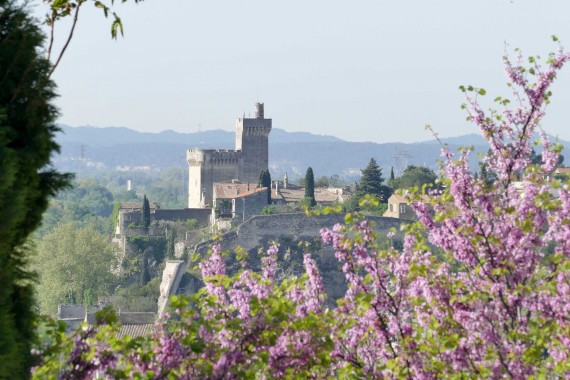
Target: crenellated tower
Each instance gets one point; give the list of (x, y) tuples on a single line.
[(252, 139), (245, 163)]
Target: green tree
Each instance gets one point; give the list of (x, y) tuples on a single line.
[(170, 240), (322, 182), (26, 179), (334, 181), (86, 203), (145, 272), (145, 212), (265, 181), (413, 176), (372, 183), (536, 159), (310, 187), (74, 266)]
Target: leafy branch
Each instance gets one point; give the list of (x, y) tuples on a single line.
[(61, 9)]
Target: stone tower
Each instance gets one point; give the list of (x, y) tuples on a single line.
[(245, 163), (252, 139)]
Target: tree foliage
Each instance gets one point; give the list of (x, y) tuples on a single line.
[(61, 9), (86, 203), (310, 187), (145, 212), (73, 263), (371, 180), (26, 179), (413, 176), (265, 181), (371, 183), (480, 288), (332, 181)]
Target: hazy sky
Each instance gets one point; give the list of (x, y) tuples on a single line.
[(361, 70)]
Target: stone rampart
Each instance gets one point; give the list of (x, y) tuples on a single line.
[(288, 230), (202, 215), (260, 230), (171, 276)]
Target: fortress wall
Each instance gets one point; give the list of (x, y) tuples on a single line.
[(207, 167), (171, 276), (262, 229), (289, 230), (202, 215)]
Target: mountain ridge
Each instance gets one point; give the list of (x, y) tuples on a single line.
[(289, 152)]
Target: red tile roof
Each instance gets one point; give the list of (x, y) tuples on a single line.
[(235, 190)]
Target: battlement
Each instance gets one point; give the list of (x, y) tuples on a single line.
[(198, 156), (254, 127)]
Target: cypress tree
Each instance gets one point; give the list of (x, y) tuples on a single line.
[(145, 212), (265, 181), (170, 238), (310, 187), (145, 273), (26, 178), (392, 177)]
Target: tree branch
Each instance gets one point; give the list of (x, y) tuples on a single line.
[(75, 16)]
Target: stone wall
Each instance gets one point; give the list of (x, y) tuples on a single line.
[(202, 215), (171, 276), (207, 166), (248, 206), (289, 230), (262, 229), (70, 311)]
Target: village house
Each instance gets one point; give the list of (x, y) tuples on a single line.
[(236, 201), (399, 207)]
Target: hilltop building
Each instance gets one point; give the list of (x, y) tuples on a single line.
[(245, 163)]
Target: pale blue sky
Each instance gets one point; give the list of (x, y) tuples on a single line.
[(361, 70)]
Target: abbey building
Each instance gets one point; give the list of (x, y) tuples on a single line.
[(245, 163)]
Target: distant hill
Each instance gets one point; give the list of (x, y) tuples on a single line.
[(291, 152), (217, 138)]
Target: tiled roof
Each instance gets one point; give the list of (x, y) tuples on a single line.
[(562, 171), (134, 330), (133, 324), (235, 190), (396, 198), (134, 318)]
